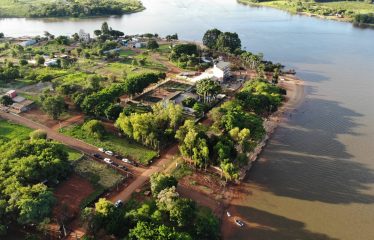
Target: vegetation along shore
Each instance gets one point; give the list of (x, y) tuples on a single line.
[(67, 8), (360, 13)]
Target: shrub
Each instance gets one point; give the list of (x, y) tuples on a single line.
[(38, 134)]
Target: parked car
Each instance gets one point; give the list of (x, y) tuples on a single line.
[(115, 164), (107, 160), (101, 149), (239, 223), (110, 153), (118, 156), (123, 168), (119, 203), (96, 155), (125, 160)]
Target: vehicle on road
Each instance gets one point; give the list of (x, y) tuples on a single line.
[(118, 156), (125, 160), (119, 203), (101, 149), (98, 156), (228, 214), (110, 153), (107, 160), (115, 164), (239, 223), (123, 168)]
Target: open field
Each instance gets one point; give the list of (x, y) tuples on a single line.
[(117, 144), (13, 131)]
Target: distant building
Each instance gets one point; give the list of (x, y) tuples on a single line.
[(85, 37), (28, 43), (12, 94), (51, 62), (221, 70), (22, 106)]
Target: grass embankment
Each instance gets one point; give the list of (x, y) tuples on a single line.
[(348, 9), (13, 131), (117, 144), (61, 8)]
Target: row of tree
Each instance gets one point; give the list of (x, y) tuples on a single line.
[(82, 8), (153, 129)]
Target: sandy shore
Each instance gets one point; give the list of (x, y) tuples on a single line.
[(294, 98)]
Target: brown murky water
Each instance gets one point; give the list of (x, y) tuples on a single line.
[(315, 180)]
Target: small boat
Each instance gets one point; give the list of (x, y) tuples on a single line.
[(290, 71)]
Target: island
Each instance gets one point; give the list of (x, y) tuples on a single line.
[(131, 136), (67, 8), (360, 13)]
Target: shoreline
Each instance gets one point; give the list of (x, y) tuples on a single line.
[(294, 98)]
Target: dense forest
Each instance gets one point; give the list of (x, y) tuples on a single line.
[(67, 8)]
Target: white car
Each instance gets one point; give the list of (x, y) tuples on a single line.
[(239, 223), (101, 149), (228, 214), (125, 160), (107, 160), (110, 153)]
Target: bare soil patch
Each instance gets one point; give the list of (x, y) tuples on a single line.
[(69, 195)]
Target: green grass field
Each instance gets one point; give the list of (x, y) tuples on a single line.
[(117, 144), (13, 131)]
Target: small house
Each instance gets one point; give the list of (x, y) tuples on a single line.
[(12, 94), (22, 106), (28, 43), (221, 70), (51, 62)]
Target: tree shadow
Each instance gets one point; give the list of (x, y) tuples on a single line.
[(263, 225), (309, 162)]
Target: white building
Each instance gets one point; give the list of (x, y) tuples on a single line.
[(28, 43), (51, 62), (85, 37), (221, 70)]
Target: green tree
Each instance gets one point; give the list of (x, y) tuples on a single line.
[(152, 44), (33, 203), (113, 111), (210, 38), (105, 28), (228, 42), (208, 89), (160, 181), (183, 211), (94, 128), (38, 134), (206, 225), (6, 100), (54, 106), (167, 198), (39, 60)]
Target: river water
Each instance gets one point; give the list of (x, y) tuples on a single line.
[(315, 180)]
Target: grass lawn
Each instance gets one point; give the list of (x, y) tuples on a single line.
[(182, 170), (13, 131), (117, 144), (126, 52), (97, 173)]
